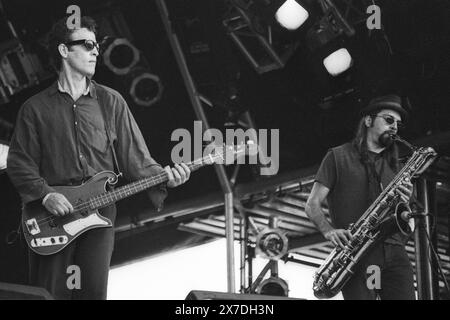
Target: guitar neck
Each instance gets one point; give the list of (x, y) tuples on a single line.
[(128, 190)]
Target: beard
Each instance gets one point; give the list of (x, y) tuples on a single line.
[(385, 139)]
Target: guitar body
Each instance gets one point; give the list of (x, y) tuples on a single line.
[(47, 234)]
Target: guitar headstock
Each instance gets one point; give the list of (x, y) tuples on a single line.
[(228, 154)]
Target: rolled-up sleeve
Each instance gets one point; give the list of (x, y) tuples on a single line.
[(133, 155), (23, 160)]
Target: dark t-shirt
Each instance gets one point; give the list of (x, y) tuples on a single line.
[(344, 174)]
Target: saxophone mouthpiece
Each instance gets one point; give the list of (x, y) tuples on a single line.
[(394, 136)]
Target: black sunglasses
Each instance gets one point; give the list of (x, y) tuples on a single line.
[(88, 44), (391, 120)]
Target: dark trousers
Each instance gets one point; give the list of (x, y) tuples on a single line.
[(90, 253), (397, 276)]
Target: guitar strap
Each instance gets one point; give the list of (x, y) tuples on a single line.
[(102, 103)]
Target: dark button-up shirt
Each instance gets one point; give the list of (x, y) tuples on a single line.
[(344, 174), (59, 141)]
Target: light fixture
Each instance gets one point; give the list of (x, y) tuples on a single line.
[(145, 88), (6, 129), (338, 61), (120, 56), (273, 286), (271, 243), (4, 148), (291, 15), (252, 26), (126, 61), (325, 40)]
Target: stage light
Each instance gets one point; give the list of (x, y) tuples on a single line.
[(3, 155), (271, 243), (146, 88), (6, 129), (121, 56), (326, 41), (132, 67), (338, 61), (253, 27), (291, 15), (273, 286)]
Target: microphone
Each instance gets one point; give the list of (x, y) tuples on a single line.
[(406, 215)]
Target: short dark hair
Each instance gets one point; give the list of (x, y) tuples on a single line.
[(60, 33)]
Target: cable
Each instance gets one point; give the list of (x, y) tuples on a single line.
[(438, 261)]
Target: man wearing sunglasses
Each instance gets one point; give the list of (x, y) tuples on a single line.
[(63, 136), (349, 179)]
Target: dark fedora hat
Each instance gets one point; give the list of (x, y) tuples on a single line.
[(391, 102)]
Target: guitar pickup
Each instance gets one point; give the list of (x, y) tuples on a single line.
[(33, 227)]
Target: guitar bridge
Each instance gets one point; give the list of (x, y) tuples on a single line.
[(33, 227), (49, 241)]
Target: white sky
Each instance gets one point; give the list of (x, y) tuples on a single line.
[(171, 276)]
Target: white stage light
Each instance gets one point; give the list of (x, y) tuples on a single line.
[(291, 15), (337, 62), (3, 155)]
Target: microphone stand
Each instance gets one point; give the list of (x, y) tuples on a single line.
[(424, 249), (422, 241)]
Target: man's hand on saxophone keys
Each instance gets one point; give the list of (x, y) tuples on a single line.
[(405, 190), (339, 237)]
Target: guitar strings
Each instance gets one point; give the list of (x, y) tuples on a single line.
[(98, 199), (141, 183)]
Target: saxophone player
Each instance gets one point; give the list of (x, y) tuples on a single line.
[(350, 178)]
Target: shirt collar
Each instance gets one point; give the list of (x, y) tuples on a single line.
[(90, 89), (377, 155)]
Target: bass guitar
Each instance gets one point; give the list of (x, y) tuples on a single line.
[(48, 234)]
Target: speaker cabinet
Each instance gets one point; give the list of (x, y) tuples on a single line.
[(212, 295), (9, 291)]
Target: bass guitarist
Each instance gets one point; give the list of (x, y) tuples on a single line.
[(63, 136)]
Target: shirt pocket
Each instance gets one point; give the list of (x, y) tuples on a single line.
[(96, 138)]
